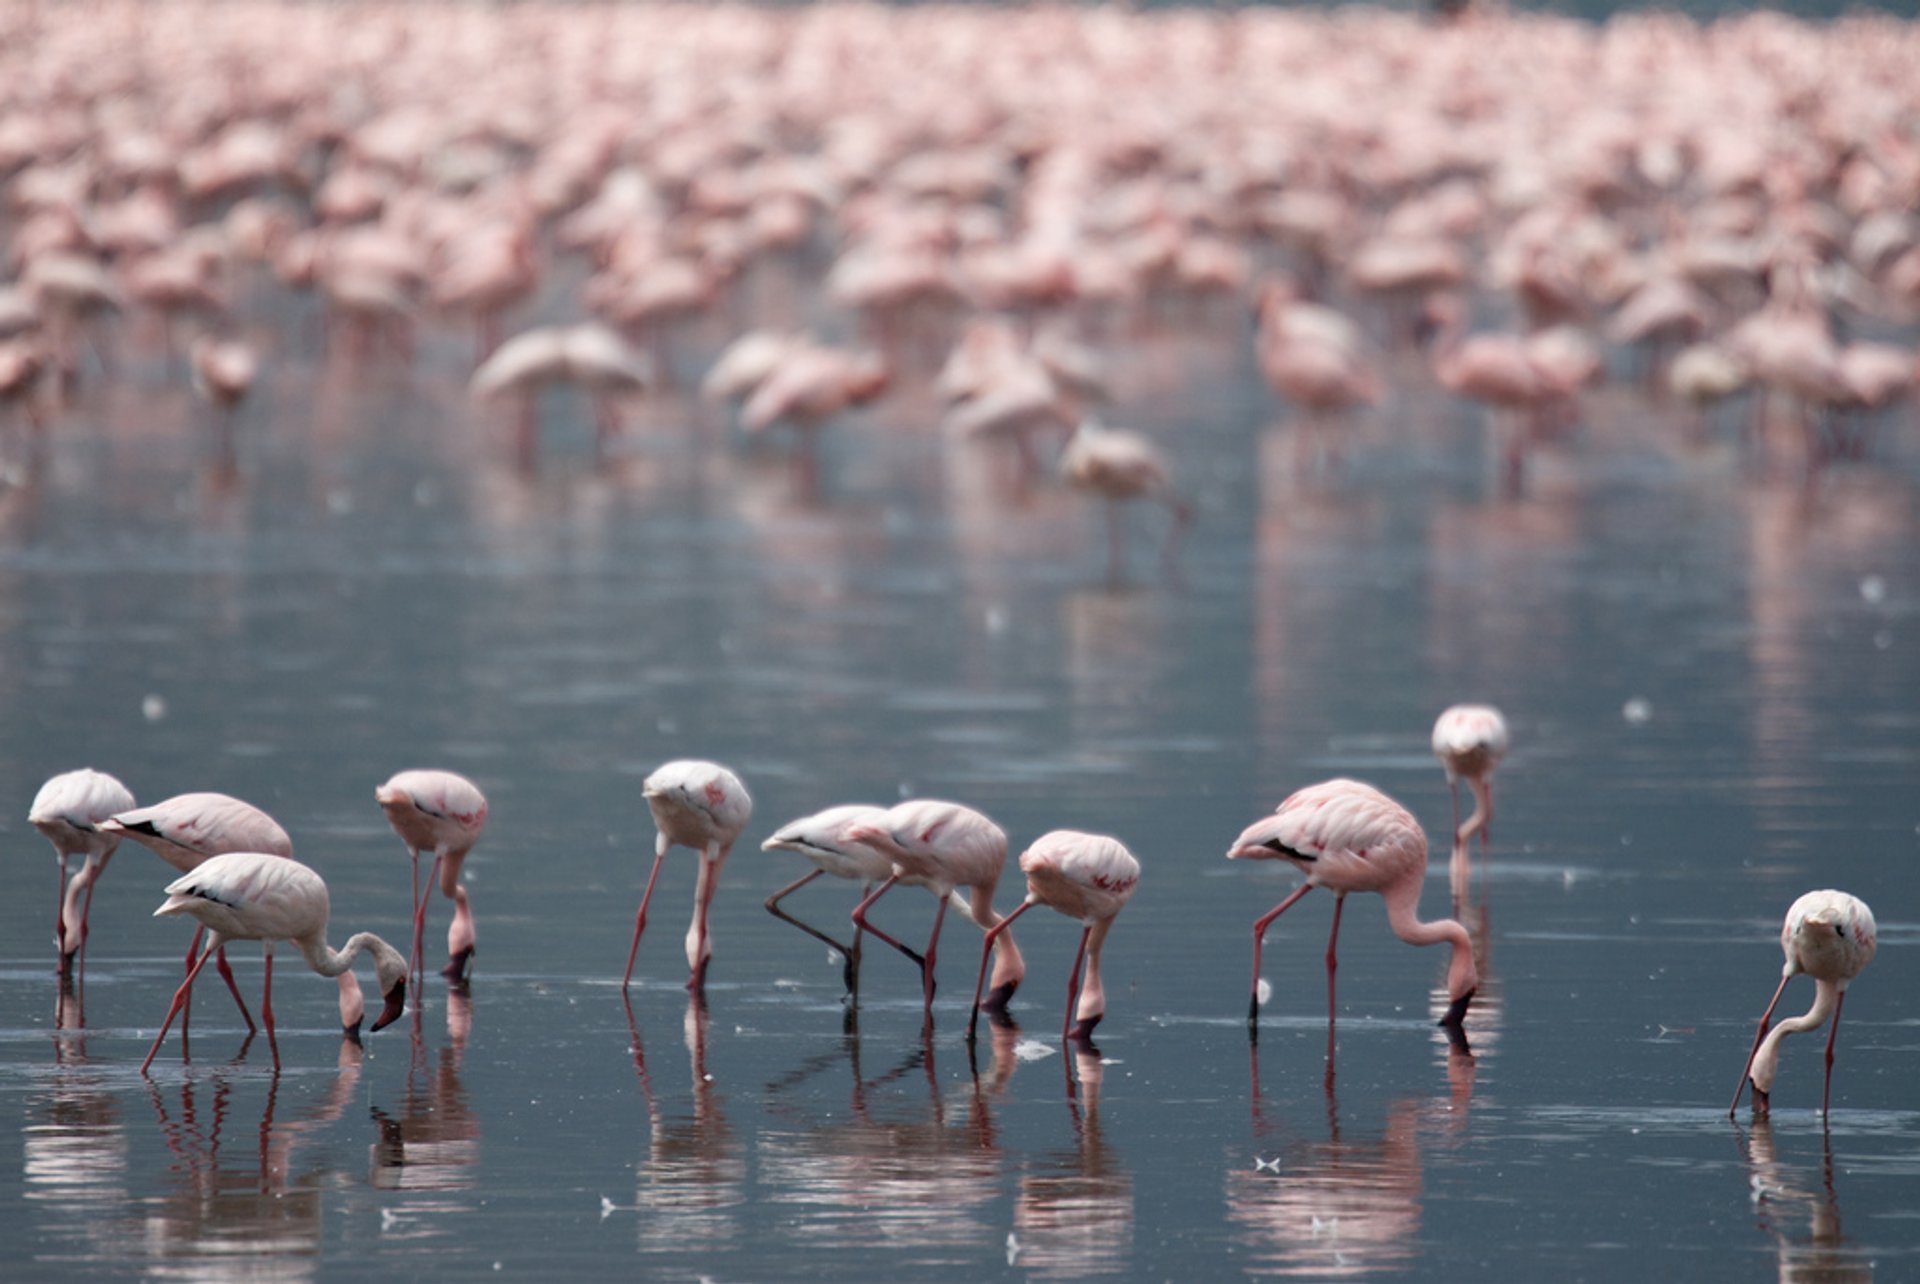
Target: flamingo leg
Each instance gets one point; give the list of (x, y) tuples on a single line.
[(1073, 986), (933, 946), (849, 955), (266, 1004), (1333, 960), (861, 923), (226, 974), (1453, 795), (193, 953), (179, 1000), (413, 955), (986, 953), (1259, 932), (1833, 1033), (60, 909), (640, 919), (1766, 1019)]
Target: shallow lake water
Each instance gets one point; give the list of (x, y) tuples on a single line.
[(1715, 704)]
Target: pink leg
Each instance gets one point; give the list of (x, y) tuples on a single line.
[(60, 909), (1073, 983), (986, 953), (420, 920), (266, 1005), (1833, 1032), (226, 974), (1259, 932), (640, 919), (861, 924), (1333, 961), (414, 961), (179, 999), (1766, 1019), (933, 945), (193, 955), (850, 956)]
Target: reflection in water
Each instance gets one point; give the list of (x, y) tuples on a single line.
[(254, 1218), (892, 1174), (1344, 1206), (693, 1183), (1784, 1197), (433, 1145), (1074, 1212), (75, 1150)]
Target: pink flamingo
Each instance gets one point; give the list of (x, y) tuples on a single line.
[(1347, 836), (1831, 937), (1470, 740), (1118, 466), (822, 839), (444, 812), (704, 806), (257, 896), (943, 846), (187, 829), (1085, 876), (68, 810)]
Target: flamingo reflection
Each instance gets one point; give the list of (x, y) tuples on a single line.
[(890, 1172), (1074, 1212), (1783, 1196), (75, 1149), (693, 1182), (432, 1145)]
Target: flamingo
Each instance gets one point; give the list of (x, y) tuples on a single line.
[(943, 846), (1470, 740), (1830, 936), (184, 831), (258, 896), (590, 355), (1347, 836), (821, 838), (444, 812), (68, 810), (704, 806), (1118, 465), (1085, 876)]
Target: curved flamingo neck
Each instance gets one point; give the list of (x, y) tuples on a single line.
[(328, 961), (1826, 996), (1403, 902)]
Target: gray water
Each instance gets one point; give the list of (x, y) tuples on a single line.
[(381, 590)]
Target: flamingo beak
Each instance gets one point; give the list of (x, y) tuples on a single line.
[(1457, 1010), (396, 1004)]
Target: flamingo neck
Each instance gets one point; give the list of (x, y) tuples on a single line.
[(1403, 901), (328, 961), (1093, 994), (1826, 994)]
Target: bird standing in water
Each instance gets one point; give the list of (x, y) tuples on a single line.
[(1470, 740), (822, 839), (444, 813), (1347, 836), (704, 806), (1831, 937), (68, 810), (1085, 876)]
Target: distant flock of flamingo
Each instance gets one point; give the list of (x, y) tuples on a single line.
[(1728, 206), (240, 881)]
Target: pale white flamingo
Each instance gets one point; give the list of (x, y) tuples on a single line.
[(943, 846), (68, 810), (1470, 740), (187, 829), (1118, 465), (444, 813), (704, 806), (257, 896), (1085, 876), (1831, 937), (593, 356), (822, 839), (1347, 836)]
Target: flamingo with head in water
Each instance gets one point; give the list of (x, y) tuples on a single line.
[(1831, 937)]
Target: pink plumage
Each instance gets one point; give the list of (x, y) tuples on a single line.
[(701, 805), (441, 812)]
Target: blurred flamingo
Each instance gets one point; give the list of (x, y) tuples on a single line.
[(442, 812), (704, 806)]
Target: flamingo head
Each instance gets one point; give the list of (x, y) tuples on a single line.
[(390, 972)]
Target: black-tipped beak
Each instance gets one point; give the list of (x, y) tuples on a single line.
[(1457, 1010), (396, 1004), (999, 996), (351, 1033), (1082, 1030)]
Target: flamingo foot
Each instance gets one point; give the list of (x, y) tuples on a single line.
[(456, 968), (999, 996), (1456, 1011)]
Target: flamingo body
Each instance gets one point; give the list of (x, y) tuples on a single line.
[(1831, 937), (1347, 836), (822, 839)]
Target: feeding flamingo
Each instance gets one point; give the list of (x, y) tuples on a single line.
[(1085, 876), (68, 810), (444, 812), (257, 896), (822, 839), (1470, 740), (943, 846), (1119, 465), (187, 829), (1347, 836), (1831, 937), (704, 806)]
